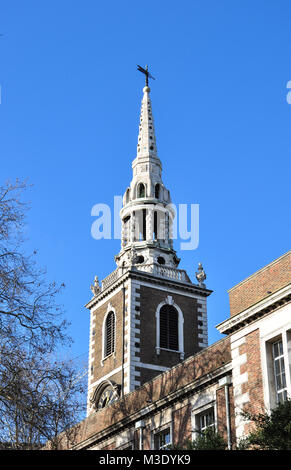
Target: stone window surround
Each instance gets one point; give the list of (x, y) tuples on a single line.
[(110, 308), (195, 417), (169, 301), (268, 364), (157, 431)]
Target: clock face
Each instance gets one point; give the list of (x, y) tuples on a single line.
[(107, 397)]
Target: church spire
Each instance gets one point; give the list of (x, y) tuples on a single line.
[(146, 145), (147, 215)]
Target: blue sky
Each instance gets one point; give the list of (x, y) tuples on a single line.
[(70, 102)]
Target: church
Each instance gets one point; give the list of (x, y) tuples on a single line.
[(153, 380)]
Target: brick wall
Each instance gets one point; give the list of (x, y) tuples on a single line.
[(160, 387), (149, 300), (222, 415), (254, 385), (247, 378), (115, 360), (271, 278)]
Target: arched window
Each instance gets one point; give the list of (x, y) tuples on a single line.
[(157, 191), (141, 190), (169, 328), (127, 196), (109, 334)]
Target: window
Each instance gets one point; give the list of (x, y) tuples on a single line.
[(163, 439), (107, 397), (141, 190), (206, 420), (203, 418), (155, 225), (157, 191), (141, 225), (279, 372), (126, 229), (109, 334), (169, 327)]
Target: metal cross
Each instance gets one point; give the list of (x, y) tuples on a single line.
[(147, 74)]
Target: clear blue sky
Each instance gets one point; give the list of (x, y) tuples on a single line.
[(69, 116)]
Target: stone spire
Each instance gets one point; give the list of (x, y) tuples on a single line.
[(146, 216), (146, 146), (147, 159)]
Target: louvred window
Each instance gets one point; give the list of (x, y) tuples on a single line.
[(109, 334), (169, 327)]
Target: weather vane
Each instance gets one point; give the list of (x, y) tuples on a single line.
[(147, 74)]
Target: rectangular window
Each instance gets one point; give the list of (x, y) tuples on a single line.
[(163, 439), (279, 372), (206, 420)]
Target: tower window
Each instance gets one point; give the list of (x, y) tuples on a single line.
[(157, 191), (141, 190), (161, 260), (169, 327), (155, 225), (109, 334), (144, 224)]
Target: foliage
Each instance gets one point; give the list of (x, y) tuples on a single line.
[(272, 430), (206, 440)]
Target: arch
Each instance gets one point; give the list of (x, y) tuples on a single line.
[(169, 327), (141, 190), (99, 390)]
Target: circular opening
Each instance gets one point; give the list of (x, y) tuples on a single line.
[(140, 259), (161, 260)]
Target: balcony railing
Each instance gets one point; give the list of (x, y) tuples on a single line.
[(155, 269)]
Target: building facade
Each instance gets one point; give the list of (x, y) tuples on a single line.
[(153, 379)]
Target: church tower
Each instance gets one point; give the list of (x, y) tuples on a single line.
[(147, 315)]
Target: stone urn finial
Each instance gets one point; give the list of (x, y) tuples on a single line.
[(95, 288), (200, 275)]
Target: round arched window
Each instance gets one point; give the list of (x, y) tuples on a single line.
[(141, 190), (169, 327)]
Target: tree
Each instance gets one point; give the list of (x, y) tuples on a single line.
[(272, 430), (39, 395), (208, 440)]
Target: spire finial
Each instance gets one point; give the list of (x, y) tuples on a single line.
[(147, 74)]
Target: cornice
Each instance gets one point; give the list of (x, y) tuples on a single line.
[(259, 309), (141, 275)]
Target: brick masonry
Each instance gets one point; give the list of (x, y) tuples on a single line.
[(271, 278), (161, 387), (175, 398), (136, 351), (150, 298), (247, 378)]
